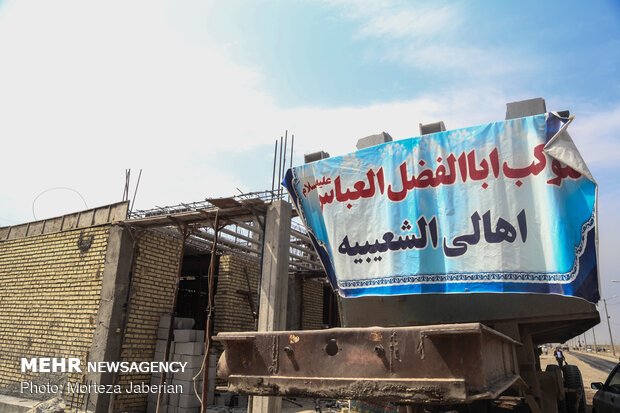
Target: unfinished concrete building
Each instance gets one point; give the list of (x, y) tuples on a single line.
[(95, 284)]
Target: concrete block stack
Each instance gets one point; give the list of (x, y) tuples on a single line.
[(187, 347)]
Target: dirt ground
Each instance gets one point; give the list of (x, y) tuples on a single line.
[(589, 374)]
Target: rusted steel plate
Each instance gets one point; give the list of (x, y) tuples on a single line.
[(439, 363), (410, 390)]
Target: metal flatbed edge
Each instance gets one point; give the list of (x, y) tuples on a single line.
[(455, 363)]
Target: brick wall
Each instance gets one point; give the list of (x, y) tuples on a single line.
[(50, 290), (232, 308), (312, 307), (49, 295), (151, 296)]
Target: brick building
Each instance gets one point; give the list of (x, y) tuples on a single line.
[(94, 285)]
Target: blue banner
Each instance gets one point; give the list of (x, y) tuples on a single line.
[(501, 207)]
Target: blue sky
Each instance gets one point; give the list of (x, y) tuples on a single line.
[(348, 53), (196, 92)]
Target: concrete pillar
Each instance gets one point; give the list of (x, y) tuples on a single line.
[(293, 309), (106, 345), (274, 284)]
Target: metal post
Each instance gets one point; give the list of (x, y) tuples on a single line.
[(273, 177), (133, 201), (280, 168), (209, 326), (611, 339), (291, 166), (292, 145), (283, 165), (595, 345)]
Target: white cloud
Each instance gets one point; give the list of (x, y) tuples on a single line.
[(470, 60), (91, 89), (407, 22), (337, 130), (88, 90), (85, 99), (398, 19), (596, 134), (429, 37)]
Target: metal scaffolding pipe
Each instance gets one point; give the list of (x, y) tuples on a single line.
[(301, 236), (240, 236), (248, 227)]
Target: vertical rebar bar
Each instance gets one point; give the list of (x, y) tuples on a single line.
[(291, 161), (283, 164), (133, 201), (273, 177), (280, 164), (126, 189), (292, 144)]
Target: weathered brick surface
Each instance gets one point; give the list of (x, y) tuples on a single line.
[(50, 290), (150, 297), (49, 295), (312, 308), (232, 308)]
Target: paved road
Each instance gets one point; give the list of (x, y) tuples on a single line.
[(595, 362)]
